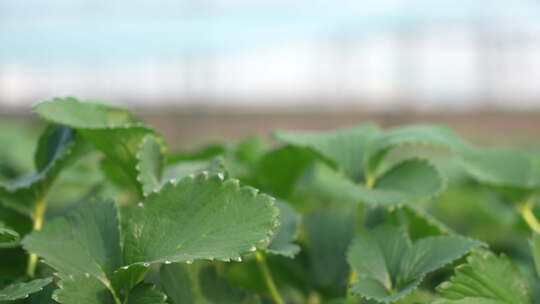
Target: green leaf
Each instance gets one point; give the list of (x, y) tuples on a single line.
[(82, 289), (200, 217), (111, 130), (7, 235), (535, 248), (124, 279), (146, 294), (57, 147), (346, 149), (409, 182), (44, 296), (23, 290), (180, 170), (326, 248), (423, 135), (204, 153), (513, 172), (150, 164), (485, 279), (283, 241), (86, 242), (279, 170), (389, 266), (87, 115), (417, 222), (250, 150), (121, 145), (200, 284)]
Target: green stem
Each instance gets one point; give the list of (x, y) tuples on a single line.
[(369, 183), (527, 214), (263, 266), (38, 217)]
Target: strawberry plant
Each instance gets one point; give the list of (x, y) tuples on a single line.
[(413, 214)]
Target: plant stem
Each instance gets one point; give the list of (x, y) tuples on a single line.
[(527, 214), (39, 213), (369, 183), (263, 266)]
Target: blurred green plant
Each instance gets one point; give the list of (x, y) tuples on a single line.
[(357, 215)]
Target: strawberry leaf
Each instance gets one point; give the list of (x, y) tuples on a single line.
[(82, 289), (180, 170), (513, 173), (389, 266), (345, 149), (279, 171), (408, 182), (111, 130), (23, 290), (211, 219), (150, 164), (485, 279), (88, 115), (326, 248), (283, 241), (200, 284), (417, 222), (57, 147), (146, 294), (359, 151), (85, 243), (423, 135)]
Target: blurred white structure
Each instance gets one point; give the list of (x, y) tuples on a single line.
[(379, 54)]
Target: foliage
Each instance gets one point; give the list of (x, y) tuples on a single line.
[(360, 215)]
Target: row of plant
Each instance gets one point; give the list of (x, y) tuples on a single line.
[(414, 214)]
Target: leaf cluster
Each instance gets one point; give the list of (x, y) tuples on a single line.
[(412, 214)]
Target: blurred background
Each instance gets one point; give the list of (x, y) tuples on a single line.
[(227, 68)]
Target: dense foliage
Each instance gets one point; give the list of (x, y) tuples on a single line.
[(414, 214)]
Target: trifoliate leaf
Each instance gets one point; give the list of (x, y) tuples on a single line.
[(283, 241), (535, 247), (389, 266), (82, 289), (326, 247), (86, 242), (485, 279), (200, 284), (279, 170), (346, 149), (112, 130), (202, 217), (57, 147), (424, 135), (411, 181), (146, 294), (23, 290), (150, 164)]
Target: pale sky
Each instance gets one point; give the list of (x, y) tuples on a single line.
[(269, 52)]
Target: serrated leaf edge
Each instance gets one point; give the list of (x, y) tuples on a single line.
[(205, 175)]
